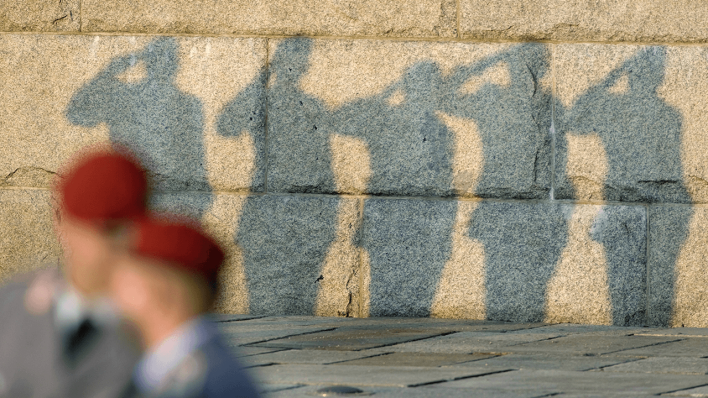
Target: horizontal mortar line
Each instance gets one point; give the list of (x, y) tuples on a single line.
[(363, 37), (683, 389), (407, 341), (430, 198), (643, 346), (356, 359), (530, 342), (460, 378), (246, 193), (264, 353), (14, 188), (286, 336), (630, 360), (240, 320), (260, 365)]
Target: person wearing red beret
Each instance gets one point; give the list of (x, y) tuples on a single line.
[(165, 284), (59, 336)]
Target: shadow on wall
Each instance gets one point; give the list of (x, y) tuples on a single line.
[(410, 147), (641, 137), (136, 96), (285, 239)]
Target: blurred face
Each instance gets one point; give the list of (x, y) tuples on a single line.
[(137, 286), (88, 253), (143, 288)]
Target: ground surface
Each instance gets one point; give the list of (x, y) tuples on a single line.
[(296, 356)]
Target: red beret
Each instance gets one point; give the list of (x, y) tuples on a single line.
[(181, 244), (104, 186)]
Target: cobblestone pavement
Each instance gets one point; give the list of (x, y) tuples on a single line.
[(298, 356)]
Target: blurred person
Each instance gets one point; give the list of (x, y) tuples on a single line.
[(165, 283), (59, 336)]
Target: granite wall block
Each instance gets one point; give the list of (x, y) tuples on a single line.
[(290, 247), (677, 266), (169, 99), (407, 18), (582, 20), (40, 16), (525, 262), (409, 118), (621, 136), (27, 240)]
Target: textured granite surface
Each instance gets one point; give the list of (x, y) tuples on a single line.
[(613, 20), (27, 240), (286, 242), (677, 266), (407, 244), (537, 268), (420, 119), (618, 137), (407, 18), (162, 97), (40, 16)]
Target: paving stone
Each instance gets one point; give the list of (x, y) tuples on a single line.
[(409, 118), (609, 383), (262, 333), (567, 329), (394, 376), (430, 324), (678, 332), (288, 244), (469, 343), (353, 339), (690, 392), (690, 347), (677, 277), (616, 20), (434, 391), (159, 96), (241, 352), (663, 365), (272, 390), (417, 359), (317, 357), (27, 240), (408, 18), (594, 345), (233, 317), (40, 16), (543, 361)]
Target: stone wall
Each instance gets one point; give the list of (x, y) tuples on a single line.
[(504, 159)]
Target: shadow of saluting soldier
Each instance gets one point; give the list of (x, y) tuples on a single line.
[(152, 117)]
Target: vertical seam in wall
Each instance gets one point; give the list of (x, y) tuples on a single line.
[(81, 15), (552, 129), (457, 12), (360, 257), (647, 303), (266, 88)]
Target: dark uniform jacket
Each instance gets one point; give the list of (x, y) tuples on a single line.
[(192, 363), (43, 355)]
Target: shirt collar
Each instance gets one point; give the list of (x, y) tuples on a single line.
[(72, 308), (159, 362)]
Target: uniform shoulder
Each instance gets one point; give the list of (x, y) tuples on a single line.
[(35, 290), (226, 377)]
